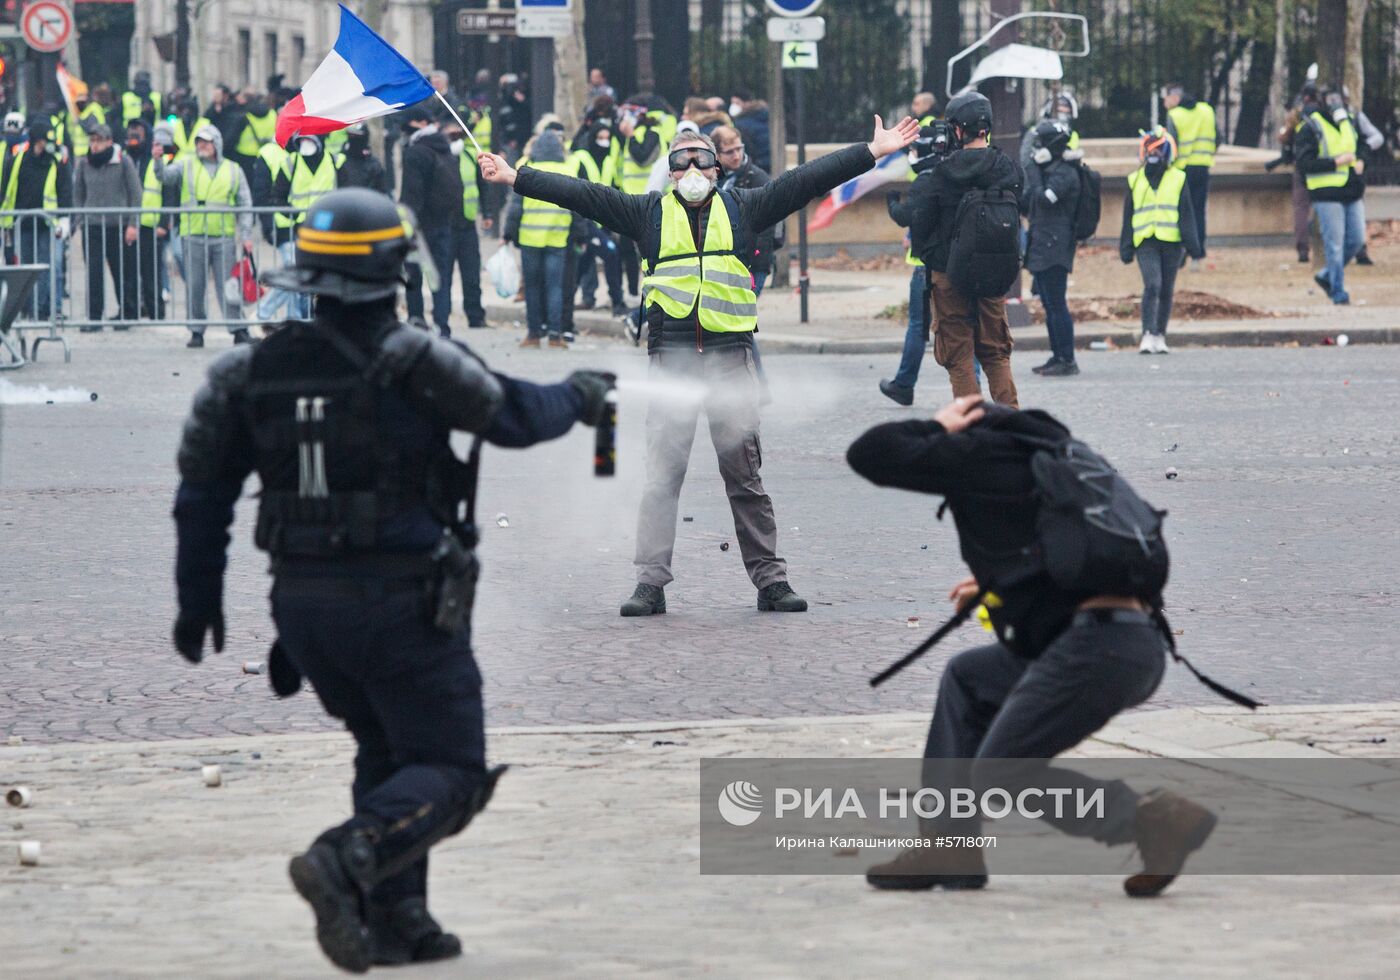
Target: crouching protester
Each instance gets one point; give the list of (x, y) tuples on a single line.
[(1076, 608), (367, 515)]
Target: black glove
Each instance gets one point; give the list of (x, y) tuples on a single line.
[(281, 673), (189, 634), (593, 386)]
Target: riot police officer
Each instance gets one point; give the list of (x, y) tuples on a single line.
[(367, 514)]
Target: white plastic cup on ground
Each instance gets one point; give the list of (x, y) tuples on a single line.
[(212, 776), (19, 796), (29, 852)]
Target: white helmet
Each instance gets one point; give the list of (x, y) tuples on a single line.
[(14, 122)]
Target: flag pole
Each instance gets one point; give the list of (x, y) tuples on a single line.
[(465, 128)]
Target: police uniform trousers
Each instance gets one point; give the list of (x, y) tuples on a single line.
[(410, 695), (730, 401)]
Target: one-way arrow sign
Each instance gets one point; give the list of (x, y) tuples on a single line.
[(800, 54)]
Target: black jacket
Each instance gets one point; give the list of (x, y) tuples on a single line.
[(432, 182), (1307, 149), (33, 172), (1185, 221), (1051, 243), (364, 170), (936, 193), (760, 208), (985, 476), (747, 177)]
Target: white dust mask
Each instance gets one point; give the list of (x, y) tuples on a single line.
[(456, 147), (694, 186)]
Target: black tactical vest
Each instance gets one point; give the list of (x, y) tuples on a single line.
[(340, 452)]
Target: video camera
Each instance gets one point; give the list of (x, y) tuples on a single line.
[(936, 141)]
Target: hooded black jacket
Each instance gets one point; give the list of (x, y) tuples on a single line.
[(984, 474), (936, 193), (432, 182)]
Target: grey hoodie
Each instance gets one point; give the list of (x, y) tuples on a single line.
[(174, 173), (112, 185)]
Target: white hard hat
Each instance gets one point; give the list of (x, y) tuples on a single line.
[(14, 122)]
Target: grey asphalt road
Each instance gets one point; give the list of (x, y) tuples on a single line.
[(1282, 525)]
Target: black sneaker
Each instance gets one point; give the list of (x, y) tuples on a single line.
[(1324, 283), (196, 340), (897, 393), (620, 309), (779, 597), (1059, 369), (647, 600), (335, 900), (1363, 257), (1040, 368), (407, 933), (241, 337)]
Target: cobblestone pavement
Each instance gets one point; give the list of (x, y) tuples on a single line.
[(586, 865), (1282, 528)]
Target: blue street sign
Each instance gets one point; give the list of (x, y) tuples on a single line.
[(793, 8)]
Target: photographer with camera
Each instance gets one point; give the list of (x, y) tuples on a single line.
[(925, 153), (965, 227)]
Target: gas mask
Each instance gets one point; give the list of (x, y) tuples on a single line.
[(694, 186)]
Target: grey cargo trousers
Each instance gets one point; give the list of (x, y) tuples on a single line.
[(724, 382)]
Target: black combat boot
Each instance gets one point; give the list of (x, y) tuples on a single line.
[(332, 876), (779, 597), (407, 933), (647, 600)]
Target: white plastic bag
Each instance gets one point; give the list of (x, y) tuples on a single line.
[(505, 274)]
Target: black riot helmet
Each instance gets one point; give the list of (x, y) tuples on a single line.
[(971, 114), (1052, 136), (351, 246)]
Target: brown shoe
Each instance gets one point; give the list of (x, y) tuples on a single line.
[(1169, 827), (558, 343), (922, 868), (531, 342)]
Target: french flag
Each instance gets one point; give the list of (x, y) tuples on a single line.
[(893, 167), (361, 78)]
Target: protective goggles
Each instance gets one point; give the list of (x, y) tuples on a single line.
[(701, 156)]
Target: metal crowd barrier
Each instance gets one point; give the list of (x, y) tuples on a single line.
[(94, 277)]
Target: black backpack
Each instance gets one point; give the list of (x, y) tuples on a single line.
[(1094, 534), (1087, 210), (984, 256)]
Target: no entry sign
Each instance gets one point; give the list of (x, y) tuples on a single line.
[(46, 25)]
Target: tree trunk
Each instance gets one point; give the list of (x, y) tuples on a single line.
[(1279, 95), (1331, 42), (1254, 96), (570, 74), (642, 37), (182, 42), (1354, 72)]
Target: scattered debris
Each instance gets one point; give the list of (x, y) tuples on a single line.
[(912, 622), (1172, 474), (724, 546), (1378, 740), (1101, 345), (29, 852), (212, 776), (257, 755), (663, 741), (1189, 304), (688, 520), (19, 796), (923, 547), (253, 666), (502, 520), (1342, 341), (15, 740), (1172, 448)]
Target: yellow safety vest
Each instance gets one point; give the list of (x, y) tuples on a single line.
[(666, 126), (1156, 210), (150, 196), (718, 279), (635, 175), (1332, 141), (335, 142), (1195, 135), (466, 166), (274, 158), (542, 224), (218, 192), (12, 185), (257, 133), (184, 141), (131, 106), (595, 174), (481, 129), (94, 110), (307, 187)]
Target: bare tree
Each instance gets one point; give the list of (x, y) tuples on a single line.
[(1278, 93), (1354, 70), (570, 73), (1331, 42)]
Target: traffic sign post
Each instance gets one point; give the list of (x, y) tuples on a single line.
[(799, 55), (796, 28), (47, 26)]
